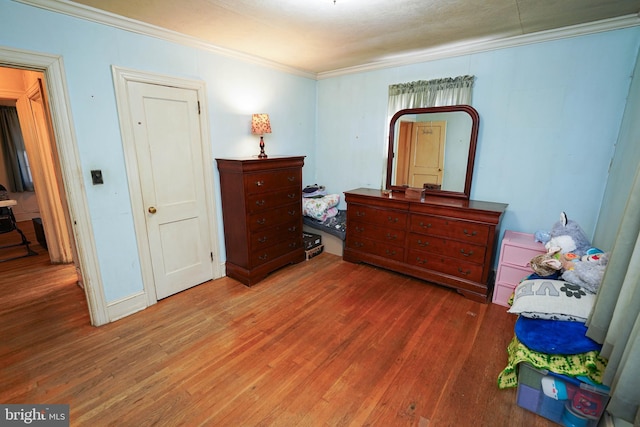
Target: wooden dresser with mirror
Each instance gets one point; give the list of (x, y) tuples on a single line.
[(442, 236)]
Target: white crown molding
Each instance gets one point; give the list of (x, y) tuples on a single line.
[(106, 18), (466, 48), (442, 52)]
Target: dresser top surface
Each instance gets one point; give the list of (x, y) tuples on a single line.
[(248, 164), (256, 159), (431, 200)]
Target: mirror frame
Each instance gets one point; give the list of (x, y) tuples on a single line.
[(475, 125)]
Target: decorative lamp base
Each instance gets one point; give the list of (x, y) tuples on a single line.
[(262, 154)]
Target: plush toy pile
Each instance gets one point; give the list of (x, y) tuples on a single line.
[(553, 306), (570, 256)]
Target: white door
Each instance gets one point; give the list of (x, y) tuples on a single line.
[(426, 163), (168, 146)]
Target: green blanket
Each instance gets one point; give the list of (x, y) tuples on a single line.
[(590, 365)]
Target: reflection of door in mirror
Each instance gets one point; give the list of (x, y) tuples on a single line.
[(420, 155), (447, 144)]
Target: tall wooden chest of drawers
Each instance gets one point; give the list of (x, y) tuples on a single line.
[(446, 241), (262, 214), (516, 251)]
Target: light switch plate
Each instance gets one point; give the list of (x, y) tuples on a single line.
[(96, 177)]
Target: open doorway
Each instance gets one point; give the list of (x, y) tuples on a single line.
[(30, 174), (34, 180), (66, 172)]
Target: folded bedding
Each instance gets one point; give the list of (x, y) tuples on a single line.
[(554, 336), (589, 365), (322, 207)]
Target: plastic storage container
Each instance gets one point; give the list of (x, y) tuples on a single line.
[(564, 400)]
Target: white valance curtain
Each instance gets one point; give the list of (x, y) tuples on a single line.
[(430, 93)]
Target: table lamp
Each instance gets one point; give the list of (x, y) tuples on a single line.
[(259, 126)]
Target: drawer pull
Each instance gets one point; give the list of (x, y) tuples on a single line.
[(291, 195), (390, 252), (360, 213), (292, 228), (421, 260), (466, 233), (391, 236), (259, 183), (263, 239), (423, 244), (291, 178), (262, 221), (466, 253), (423, 225), (466, 273), (394, 220), (359, 229), (292, 212), (260, 202), (358, 244), (263, 257), (293, 245)]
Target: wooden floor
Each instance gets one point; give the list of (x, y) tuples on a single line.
[(321, 343)]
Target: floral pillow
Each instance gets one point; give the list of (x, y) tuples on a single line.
[(552, 299), (319, 207)]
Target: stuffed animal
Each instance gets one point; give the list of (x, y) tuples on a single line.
[(546, 264), (587, 272), (567, 235), (542, 236), (553, 261)]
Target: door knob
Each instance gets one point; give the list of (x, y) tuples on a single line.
[(152, 210)]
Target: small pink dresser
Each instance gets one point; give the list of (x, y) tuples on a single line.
[(516, 251)]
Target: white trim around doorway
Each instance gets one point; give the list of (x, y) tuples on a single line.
[(53, 68)]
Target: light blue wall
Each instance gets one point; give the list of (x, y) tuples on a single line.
[(234, 89), (550, 114)]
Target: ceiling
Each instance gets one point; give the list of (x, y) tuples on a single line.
[(319, 36)]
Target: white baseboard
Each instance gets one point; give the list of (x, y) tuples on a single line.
[(126, 306)]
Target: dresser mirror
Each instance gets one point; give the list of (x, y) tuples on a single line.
[(433, 149)]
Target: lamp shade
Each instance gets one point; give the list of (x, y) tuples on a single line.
[(260, 124)]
